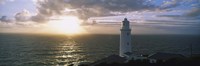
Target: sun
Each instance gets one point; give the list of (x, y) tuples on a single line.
[(69, 25)]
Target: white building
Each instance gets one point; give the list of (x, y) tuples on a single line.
[(125, 40)]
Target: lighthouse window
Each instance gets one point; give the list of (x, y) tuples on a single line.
[(123, 24), (128, 34), (127, 43)]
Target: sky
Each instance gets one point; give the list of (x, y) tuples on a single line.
[(146, 16)]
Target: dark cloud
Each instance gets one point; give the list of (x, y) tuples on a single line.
[(4, 19), (194, 12), (112, 5), (170, 4), (22, 16), (85, 9), (185, 16), (89, 8), (39, 18), (85, 13), (50, 7), (168, 15), (25, 16), (175, 3), (193, 4)]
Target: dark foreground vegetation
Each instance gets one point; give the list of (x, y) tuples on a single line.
[(194, 61)]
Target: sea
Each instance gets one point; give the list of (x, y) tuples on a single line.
[(60, 50)]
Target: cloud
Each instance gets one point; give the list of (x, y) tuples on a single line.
[(170, 4), (85, 9), (25, 16), (89, 8), (112, 5), (188, 9), (51, 7), (5, 19), (22, 16), (195, 9), (194, 12), (3, 1), (39, 18)]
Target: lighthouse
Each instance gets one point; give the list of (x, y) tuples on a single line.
[(125, 40)]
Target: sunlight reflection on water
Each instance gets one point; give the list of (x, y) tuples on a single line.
[(68, 50)]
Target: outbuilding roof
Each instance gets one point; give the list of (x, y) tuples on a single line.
[(165, 56)]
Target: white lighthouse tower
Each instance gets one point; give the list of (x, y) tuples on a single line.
[(125, 40)]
